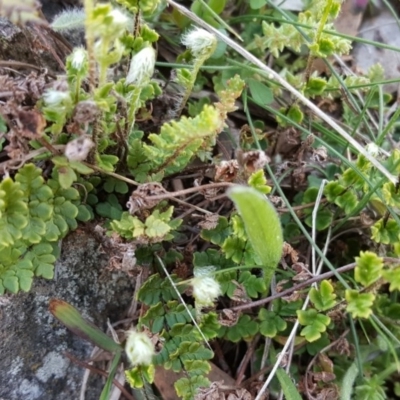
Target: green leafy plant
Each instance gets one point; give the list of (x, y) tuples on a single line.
[(215, 261)]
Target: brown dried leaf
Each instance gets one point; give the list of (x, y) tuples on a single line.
[(325, 362), (302, 272), (228, 317), (324, 376), (226, 171), (182, 270), (240, 394), (211, 393), (209, 222), (342, 347), (139, 199), (288, 250), (30, 124), (86, 111), (253, 160), (239, 294), (330, 393)]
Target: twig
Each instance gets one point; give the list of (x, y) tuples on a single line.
[(246, 360), (20, 64), (113, 174), (190, 190), (304, 284), (275, 76)]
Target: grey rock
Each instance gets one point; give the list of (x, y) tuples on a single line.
[(32, 342)]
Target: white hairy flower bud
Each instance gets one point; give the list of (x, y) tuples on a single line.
[(139, 348), (372, 149), (205, 290), (78, 58), (120, 21), (142, 67), (55, 98), (200, 42)]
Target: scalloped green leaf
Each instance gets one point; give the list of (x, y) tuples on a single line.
[(359, 305), (258, 181), (253, 284), (115, 185), (43, 259), (324, 297), (66, 176), (34, 231), (140, 374), (245, 329), (314, 322), (156, 289), (343, 197), (197, 367), (11, 284), (85, 213), (13, 212), (156, 228), (368, 268), (386, 232), (392, 276), (391, 194), (315, 86), (194, 351), (270, 323), (219, 234), (187, 388), (107, 161), (111, 208)]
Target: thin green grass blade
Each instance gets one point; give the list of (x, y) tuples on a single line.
[(105, 393)]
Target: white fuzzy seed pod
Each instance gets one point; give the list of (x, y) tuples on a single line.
[(142, 67), (139, 348), (205, 290), (200, 42)]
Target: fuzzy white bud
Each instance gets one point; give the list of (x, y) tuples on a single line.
[(120, 21), (55, 98), (372, 149), (200, 42), (78, 58), (142, 67), (139, 348), (205, 290)]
